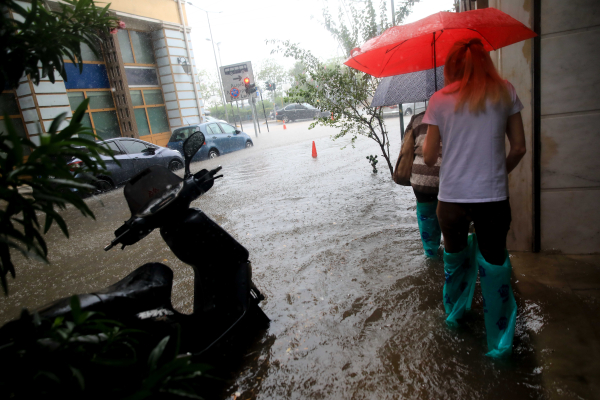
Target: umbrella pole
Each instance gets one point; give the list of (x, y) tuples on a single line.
[(434, 66), (401, 122)]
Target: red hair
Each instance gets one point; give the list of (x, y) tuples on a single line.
[(469, 64)]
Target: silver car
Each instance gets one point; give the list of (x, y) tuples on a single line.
[(134, 156)]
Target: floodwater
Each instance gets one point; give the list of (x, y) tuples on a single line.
[(355, 306)]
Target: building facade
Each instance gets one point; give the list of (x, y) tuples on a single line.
[(555, 191), (141, 85)]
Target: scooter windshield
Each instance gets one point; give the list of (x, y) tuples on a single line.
[(151, 190)]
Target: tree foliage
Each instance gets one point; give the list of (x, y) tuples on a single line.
[(270, 70), (344, 92), (51, 182), (39, 36), (210, 87)]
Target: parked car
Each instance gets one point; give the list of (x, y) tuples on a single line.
[(134, 155), (208, 118), (221, 138), (297, 111), (408, 108)]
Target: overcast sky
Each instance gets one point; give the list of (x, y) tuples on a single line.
[(243, 26)]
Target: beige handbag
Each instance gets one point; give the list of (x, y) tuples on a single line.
[(405, 159)]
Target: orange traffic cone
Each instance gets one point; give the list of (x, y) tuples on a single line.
[(332, 116), (284, 127), (314, 153)]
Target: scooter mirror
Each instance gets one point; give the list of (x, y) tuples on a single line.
[(190, 147)]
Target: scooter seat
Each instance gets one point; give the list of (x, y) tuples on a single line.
[(146, 288)]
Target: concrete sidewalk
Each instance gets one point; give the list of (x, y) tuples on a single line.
[(563, 291)]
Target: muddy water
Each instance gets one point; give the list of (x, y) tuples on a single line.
[(356, 308)]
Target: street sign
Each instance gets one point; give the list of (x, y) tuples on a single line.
[(233, 77)]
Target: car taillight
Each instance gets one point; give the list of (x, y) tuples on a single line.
[(75, 165), (204, 144), (276, 113)]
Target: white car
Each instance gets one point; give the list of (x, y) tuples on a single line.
[(208, 118), (408, 108)]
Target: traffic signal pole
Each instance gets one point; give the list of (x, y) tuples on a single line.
[(264, 112)]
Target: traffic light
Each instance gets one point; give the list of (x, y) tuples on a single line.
[(250, 87)]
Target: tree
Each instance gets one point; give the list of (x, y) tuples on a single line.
[(48, 37), (270, 70), (210, 87), (43, 37), (342, 91)]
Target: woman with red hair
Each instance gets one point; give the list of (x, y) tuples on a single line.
[(471, 116)]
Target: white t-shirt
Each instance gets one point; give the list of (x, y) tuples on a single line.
[(474, 157)]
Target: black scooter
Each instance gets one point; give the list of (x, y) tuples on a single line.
[(225, 299)]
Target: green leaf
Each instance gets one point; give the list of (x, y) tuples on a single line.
[(157, 352)]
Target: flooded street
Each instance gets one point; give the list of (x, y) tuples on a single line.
[(355, 306)]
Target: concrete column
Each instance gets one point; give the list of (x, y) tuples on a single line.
[(182, 106)]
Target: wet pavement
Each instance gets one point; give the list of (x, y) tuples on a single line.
[(356, 308)]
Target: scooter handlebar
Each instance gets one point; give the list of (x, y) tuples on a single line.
[(136, 229)]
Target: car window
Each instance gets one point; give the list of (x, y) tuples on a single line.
[(113, 146), (133, 146), (180, 135), (290, 107), (227, 128), (300, 107), (213, 129), (308, 106)]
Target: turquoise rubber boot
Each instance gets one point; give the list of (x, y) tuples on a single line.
[(429, 228), (461, 275), (499, 305)]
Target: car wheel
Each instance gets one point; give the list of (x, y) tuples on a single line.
[(213, 154), (408, 111), (175, 165), (249, 144), (286, 119), (102, 185)]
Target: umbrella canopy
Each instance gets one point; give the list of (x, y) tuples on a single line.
[(408, 88), (424, 44)]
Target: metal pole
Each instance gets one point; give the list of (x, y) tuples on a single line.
[(256, 112), (400, 112), (238, 107), (217, 64), (264, 112), (187, 49), (251, 104)]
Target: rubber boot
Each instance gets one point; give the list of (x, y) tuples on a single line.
[(499, 305), (429, 228), (461, 276)]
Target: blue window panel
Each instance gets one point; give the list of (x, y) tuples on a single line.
[(93, 76)]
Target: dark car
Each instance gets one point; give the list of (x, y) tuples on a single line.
[(221, 138), (297, 111), (134, 155)]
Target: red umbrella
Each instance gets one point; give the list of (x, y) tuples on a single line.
[(424, 44)]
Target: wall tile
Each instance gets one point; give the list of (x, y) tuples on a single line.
[(51, 113), (184, 86), (30, 115), (49, 100), (186, 95), (568, 84), (569, 155), (23, 89), (26, 102), (571, 221), (560, 15), (171, 105), (189, 111), (173, 113), (175, 122), (48, 87), (187, 103), (173, 34)]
